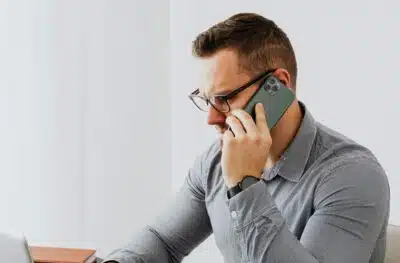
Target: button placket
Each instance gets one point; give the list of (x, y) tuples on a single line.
[(234, 214)]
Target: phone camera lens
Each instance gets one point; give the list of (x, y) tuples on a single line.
[(272, 86), (273, 89), (272, 82)]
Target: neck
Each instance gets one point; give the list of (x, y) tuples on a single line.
[(284, 132)]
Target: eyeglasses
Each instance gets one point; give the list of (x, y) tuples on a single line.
[(220, 102)]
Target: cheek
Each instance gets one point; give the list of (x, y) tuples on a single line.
[(238, 103)]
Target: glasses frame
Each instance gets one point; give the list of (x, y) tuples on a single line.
[(226, 97)]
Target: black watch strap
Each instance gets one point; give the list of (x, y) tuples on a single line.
[(246, 182), (234, 191)]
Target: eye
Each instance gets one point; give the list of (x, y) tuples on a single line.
[(219, 100)]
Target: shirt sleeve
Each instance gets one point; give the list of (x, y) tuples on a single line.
[(351, 206), (170, 238)]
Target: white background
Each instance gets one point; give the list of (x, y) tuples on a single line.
[(96, 131)]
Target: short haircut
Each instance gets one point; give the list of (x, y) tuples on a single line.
[(260, 44)]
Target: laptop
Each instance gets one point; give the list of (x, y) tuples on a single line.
[(14, 249)]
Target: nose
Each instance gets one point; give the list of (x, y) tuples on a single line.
[(215, 117)]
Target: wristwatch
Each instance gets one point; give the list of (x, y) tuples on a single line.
[(246, 182)]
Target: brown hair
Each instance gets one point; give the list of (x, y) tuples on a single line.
[(259, 42)]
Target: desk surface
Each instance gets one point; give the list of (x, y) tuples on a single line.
[(62, 255)]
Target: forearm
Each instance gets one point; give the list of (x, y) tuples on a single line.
[(284, 248), (146, 247), (182, 226), (262, 230)]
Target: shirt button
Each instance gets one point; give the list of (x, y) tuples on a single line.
[(233, 214)]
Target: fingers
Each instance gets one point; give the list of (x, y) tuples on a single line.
[(241, 122), (235, 125), (246, 120), (261, 119), (228, 136)]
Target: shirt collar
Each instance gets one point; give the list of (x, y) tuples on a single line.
[(294, 160)]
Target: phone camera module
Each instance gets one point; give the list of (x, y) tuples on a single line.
[(272, 86)]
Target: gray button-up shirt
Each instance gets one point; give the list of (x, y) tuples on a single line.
[(326, 200)]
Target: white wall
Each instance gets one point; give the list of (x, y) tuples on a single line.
[(348, 56), (40, 115), (127, 149), (85, 119)]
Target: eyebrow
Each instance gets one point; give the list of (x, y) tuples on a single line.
[(222, 92), (211, 94)]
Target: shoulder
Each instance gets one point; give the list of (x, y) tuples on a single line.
[(332, 150), (357, 171), (348, 170)]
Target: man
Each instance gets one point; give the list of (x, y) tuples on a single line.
[(313, 195)]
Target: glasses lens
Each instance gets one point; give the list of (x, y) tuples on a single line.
[(200, 103), (220, 104)]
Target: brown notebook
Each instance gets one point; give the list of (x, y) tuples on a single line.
[(62, 255)]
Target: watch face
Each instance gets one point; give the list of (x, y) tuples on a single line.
[(249, 181)]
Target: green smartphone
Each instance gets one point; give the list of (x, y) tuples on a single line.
[(275, 97)]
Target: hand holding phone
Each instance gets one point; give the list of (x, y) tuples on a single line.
[(246, 145), (246, 153)]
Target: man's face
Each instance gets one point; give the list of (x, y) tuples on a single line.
[(220, 74)]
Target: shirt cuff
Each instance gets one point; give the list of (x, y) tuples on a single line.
[(251, 204)]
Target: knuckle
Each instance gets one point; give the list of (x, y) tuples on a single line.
[(261, 118), (254, 137), (261, 115), (267, 141), (228, 142), (247, 117), (231, 141), (241, 139)]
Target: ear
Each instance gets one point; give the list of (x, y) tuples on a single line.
[(284, 76)]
